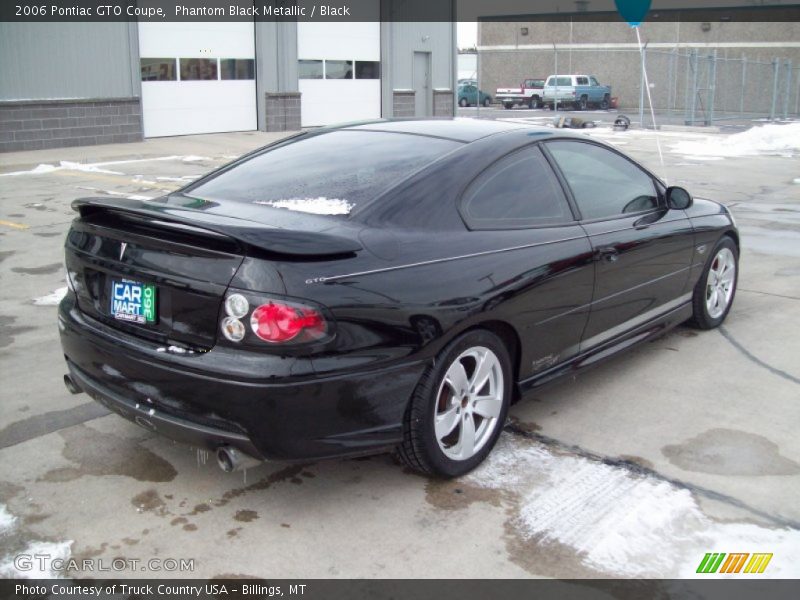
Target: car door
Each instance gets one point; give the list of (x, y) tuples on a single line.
[(547, 282), (643, 249)]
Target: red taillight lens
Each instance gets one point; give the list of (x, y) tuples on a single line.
[(277, 322)]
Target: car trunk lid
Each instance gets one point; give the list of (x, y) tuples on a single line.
[(182, 254)]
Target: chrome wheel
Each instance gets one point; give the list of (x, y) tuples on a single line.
[(469, 403), (720, 283)]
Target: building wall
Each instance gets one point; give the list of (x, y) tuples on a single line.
[(68, 84), (399, 41), (610, 52), (68, 60)]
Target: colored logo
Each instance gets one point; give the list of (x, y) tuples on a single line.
[(719, 562), (633, 11)]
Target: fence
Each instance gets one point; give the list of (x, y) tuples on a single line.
[(698, 86)]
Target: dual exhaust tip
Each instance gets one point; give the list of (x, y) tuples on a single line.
[(229, 459)]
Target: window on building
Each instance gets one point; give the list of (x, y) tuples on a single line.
[(604, 184), (309, 69), (367, 69), (237, 68), (158, 69), (198, 69), (518, 191), (338, 69)]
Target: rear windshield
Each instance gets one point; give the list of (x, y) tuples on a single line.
[(328, 174)]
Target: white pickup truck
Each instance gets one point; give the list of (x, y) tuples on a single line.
[(529, 93)]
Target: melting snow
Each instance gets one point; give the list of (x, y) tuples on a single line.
[(39, 569), (316, 206), (780, 140), (6, 519), (193, 158), (619, 522), (52, 299)]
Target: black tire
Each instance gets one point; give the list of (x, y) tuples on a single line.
[(486, 102), (420, 449), (463, 103), (534, 102), (508, 105), (605, 102), (582, 104), (700, 314)]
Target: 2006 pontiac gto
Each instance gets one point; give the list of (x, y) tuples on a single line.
[(391, 285)]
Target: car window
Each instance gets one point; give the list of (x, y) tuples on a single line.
[(594, 81), (518, 191), (604, 184), (583, 81), (331, 173)]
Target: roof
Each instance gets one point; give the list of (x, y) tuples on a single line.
[(458, 129)]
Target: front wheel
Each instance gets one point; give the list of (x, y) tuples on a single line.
[(508, 105), (463, 103), (459, 406), (713, 295), (486, 102)]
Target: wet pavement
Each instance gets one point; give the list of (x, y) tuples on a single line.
[(683, 446)]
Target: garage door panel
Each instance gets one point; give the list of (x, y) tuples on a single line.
[(325, 102), (183, 107), (189, 107)]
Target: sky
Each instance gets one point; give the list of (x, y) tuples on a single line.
[(467, 34)]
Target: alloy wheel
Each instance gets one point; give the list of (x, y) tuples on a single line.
[(720, 283), (469, 402)]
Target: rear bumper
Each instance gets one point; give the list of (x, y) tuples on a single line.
[(270, 407)]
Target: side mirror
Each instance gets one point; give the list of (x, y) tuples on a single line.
[(678, 198)]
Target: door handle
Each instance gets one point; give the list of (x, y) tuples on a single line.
[(608, 253), (643, 223)]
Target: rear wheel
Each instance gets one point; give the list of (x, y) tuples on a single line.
[(605, 102), (486, 102), (463, 102), (508, 105), (534, 102), (582, 104), (713, 294), (459, 406)]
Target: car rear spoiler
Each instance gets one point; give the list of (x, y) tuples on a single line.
[(251, 233)]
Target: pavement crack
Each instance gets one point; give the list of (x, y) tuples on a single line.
[(768, 294), (774, 370), (637, 469)]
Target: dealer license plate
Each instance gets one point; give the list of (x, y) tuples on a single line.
[(133, 301)]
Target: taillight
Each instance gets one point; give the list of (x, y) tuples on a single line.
[(277, 322), (273, 320)]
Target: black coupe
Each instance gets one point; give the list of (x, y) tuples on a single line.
[(382, 285)]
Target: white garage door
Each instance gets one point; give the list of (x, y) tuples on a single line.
[(197, 78), (339, 69)]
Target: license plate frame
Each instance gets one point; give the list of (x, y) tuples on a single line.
[(133, 301)]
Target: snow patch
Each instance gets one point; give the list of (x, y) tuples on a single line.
[(193, 158), (771, 140), (39, 569), (6, 519), (316, 206), (51, 299), (35, 171), (796, 180), (614, 518)]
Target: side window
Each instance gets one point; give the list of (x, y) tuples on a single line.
[(583, 81), (594, 81), (605, 184), (551, 81), (520, 190)]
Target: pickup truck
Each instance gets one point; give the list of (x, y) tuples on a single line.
[(529, 94), (578, 91)]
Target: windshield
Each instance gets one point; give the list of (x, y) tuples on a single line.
[(327, 174)]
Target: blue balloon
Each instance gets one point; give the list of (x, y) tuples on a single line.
[(633, 11)]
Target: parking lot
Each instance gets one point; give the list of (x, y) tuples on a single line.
[(683, 446)]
